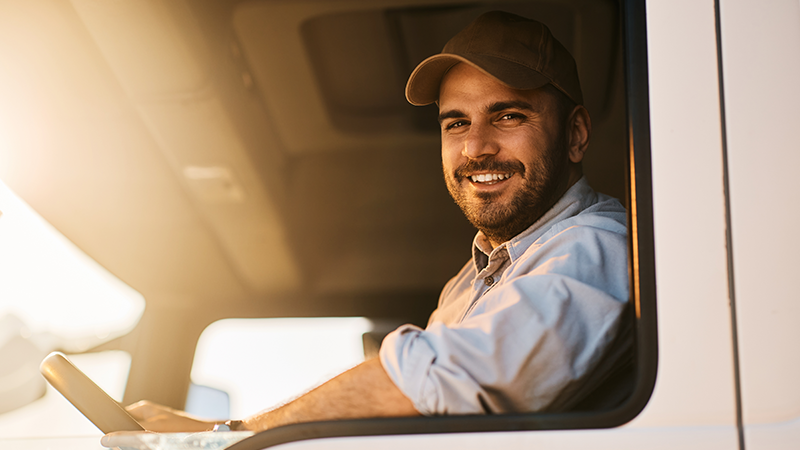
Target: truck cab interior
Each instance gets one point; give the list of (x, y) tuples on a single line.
[(257, 159)]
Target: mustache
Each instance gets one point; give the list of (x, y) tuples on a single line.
[(488, 165)]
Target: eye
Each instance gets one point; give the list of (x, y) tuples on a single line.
[(510, 119), (511, 116), (455, 124)]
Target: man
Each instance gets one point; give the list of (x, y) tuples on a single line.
[(524, 323)]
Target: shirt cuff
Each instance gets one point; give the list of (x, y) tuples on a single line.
[(407, 357)]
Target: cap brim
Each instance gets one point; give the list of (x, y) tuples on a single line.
[(423, 84)]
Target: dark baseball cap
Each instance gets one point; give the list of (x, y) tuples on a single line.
[(518, 52)]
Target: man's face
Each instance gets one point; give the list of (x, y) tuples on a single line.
[(504, 152)]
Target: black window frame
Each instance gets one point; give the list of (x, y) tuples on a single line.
[(642, 288)]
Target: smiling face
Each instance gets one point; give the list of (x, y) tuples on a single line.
[(506, 154)]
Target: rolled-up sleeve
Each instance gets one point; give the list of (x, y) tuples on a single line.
[(527, 340)]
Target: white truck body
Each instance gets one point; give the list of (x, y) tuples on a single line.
[(723, 98)]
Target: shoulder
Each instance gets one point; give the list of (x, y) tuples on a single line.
[(590, 248), (601, 220), (604, 214)]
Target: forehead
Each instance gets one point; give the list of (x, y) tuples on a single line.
[(465, 87)]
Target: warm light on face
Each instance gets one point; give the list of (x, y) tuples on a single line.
[(65, 298), (504, 152)]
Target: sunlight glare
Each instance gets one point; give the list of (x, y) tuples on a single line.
[(264, 362), (61, 294)]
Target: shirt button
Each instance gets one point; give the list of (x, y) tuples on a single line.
[(488, 281)]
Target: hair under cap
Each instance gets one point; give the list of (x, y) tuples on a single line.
[(518, 52)]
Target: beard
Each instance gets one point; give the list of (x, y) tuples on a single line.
[(499, 220)]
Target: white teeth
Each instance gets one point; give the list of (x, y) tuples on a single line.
[(489, 177)]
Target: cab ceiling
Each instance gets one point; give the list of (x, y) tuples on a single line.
[(239, 149)]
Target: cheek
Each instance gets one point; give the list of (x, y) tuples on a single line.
[(530, 146), (523, 150), (451, 155), (448, 167)]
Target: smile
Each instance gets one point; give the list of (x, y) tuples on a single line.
[(490, 178)]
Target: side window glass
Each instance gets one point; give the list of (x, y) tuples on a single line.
[(54, 297)]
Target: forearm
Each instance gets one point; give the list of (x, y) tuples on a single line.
[(364, 391)]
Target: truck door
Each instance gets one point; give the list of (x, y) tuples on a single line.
[(760, 55)]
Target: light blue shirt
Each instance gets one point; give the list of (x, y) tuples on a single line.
[(521, 325)]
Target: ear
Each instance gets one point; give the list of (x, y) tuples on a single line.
[(580, 130)]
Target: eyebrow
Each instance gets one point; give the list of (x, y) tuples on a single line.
[(452, 114), (493, 108), (513, 104)]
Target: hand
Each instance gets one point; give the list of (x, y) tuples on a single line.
[(155, 417)]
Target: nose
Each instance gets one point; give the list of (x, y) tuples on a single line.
[(479, 142)]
